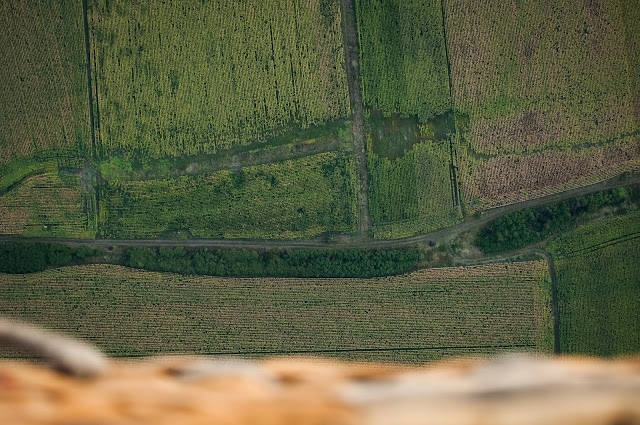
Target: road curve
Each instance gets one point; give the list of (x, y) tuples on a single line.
[(447, 234)]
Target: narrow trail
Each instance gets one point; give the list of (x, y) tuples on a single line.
[(352, 65), (554, 300), (217, 162), (88, 53)]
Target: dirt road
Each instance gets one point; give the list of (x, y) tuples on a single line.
[(352, 66), (446, 234)]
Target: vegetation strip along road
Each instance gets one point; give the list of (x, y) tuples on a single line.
[(448, 234), (351, 61)]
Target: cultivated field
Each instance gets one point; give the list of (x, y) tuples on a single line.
[(551, 92), (48, 205), (599, 287), (403, 64), (177, 78), (43, 93), (534, 74), (405, 83), (508, 179), (439, 311), (291, 199), (412, 194)]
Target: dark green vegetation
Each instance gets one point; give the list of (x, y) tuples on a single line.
[(176, 78), (291, 199), (294, 263), (403, 64), (521, 228), (598, 279), (27, 257), (439, 312), (43, 93)]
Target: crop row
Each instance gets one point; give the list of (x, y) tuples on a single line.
[(598, 291), (403, 64), (43, 95), (126, 311), (183, 78), (412, 194), (597, 234), (513, 178)]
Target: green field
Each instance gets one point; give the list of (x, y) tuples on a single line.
[(403, 63), (43, 94), (48, 205), (405, 87), (176, 79), (292, 199), (439, 311), (412, 194), (599, 287)]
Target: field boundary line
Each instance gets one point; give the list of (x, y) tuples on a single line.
[(555, 308), (352, 67), (601, 245), (87, 47), (353, 350)]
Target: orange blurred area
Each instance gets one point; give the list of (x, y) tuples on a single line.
[(516, 389)]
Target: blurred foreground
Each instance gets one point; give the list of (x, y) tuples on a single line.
[(182, 390)]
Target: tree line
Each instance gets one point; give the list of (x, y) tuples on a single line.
[(521, 228), (285, 263), (30, 257)]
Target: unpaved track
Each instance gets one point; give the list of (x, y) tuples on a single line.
[(447, 234), (352, 65), (271, 155), (554, 300), (88, 53)]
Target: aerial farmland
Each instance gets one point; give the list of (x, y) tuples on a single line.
[(389, 180)]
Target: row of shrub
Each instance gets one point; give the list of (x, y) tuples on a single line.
[(521, 228), (29, 257), (289, 263)]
